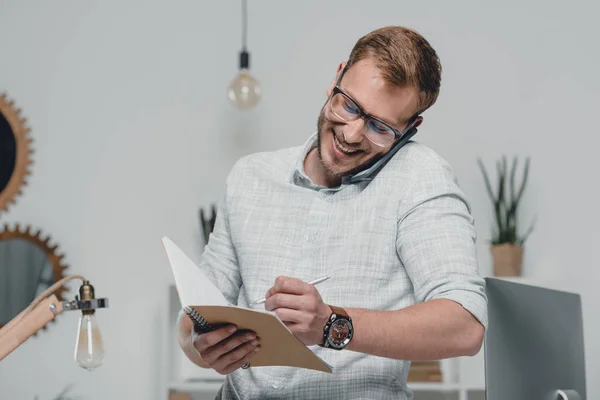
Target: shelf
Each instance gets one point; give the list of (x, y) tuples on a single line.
[(474, 388), (433, 386), (197, 385), (518, 278), (214, 385)]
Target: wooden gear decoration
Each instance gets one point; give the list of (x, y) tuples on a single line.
[(23, 152), (49, 251)]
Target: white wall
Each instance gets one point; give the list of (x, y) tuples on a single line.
[(133, 133)]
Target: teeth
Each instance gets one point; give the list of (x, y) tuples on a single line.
[(339, 145)]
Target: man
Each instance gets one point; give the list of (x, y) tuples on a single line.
[(382, 215)]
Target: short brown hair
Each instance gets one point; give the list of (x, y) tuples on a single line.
[(405, 58)]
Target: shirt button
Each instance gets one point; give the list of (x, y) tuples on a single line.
[(275, 386), (311, 238)]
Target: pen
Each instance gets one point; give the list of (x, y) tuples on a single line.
[(315, 282)]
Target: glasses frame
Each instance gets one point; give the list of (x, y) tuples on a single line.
[(366, 116)]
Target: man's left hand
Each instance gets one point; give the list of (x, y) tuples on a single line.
[(299, 305)]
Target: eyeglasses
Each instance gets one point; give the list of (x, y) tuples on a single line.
[(345, 109)]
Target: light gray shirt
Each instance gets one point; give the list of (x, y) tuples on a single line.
[(402, 236)]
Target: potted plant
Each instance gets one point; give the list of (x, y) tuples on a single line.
[(63, 395), (507, 243)]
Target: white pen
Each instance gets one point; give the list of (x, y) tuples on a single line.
[(315, 282)]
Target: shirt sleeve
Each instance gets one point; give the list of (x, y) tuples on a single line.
[(219, 260), (436, 240)]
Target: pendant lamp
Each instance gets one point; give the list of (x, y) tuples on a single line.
[(244, 90)]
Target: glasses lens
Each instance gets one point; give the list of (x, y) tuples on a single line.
[(344, 108), (380, 133)]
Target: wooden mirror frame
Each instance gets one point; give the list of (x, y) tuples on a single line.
[(23, 152), (43, 244)]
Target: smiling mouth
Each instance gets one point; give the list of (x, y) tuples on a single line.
[(342, 149)]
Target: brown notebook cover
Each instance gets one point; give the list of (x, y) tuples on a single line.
[(279, 346)]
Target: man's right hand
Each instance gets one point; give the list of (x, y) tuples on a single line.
[(226, 349)]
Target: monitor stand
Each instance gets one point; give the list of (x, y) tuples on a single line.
[(564, 395)]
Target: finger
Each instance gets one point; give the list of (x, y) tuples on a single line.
[(214, 353), (285, 284), (284, 300), (289, 316), (236, 354), (289, 325), (206, 340), (242, 355)]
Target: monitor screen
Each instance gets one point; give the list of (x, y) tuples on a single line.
[(534, 343)]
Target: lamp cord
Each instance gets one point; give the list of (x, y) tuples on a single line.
[(40, 298), (244, 24)]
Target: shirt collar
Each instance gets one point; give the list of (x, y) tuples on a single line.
[(299, 176)]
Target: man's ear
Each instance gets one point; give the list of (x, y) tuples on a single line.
[(418, 121), (340, 68)]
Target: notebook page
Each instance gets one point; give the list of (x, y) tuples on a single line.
[(193, 286)]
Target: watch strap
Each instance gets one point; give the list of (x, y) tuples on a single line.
[(339, 311)]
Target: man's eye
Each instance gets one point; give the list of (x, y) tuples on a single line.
[(350, 107), (379, 127)]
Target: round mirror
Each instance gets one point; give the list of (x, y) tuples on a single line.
[(15, 152), (28, 266)]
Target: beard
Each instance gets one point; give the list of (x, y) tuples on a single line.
[(323, 126)]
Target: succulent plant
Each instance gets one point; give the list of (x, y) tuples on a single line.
[(506, 202)]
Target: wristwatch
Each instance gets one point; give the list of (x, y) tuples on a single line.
[(338, 330)]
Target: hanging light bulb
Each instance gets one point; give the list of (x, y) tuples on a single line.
[(89, 349), (244, 90)]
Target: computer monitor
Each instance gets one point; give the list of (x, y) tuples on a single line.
[(534, 346)]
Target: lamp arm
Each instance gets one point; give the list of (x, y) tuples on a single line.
[(53, 289), (37, 301), (44, 309), (29, 323)]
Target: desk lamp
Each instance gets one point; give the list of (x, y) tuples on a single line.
[(89, 350)]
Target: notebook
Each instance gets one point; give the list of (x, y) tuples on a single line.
[(207, 307)]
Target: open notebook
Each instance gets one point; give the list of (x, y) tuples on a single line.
[(208, 308)]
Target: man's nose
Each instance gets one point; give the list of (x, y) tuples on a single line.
[(355, 130)]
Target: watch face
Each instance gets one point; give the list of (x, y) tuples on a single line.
[(340, 333)]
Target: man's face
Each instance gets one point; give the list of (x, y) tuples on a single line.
[(343, 147)]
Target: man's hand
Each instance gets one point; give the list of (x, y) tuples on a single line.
[(226, 349), (299, 305)]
